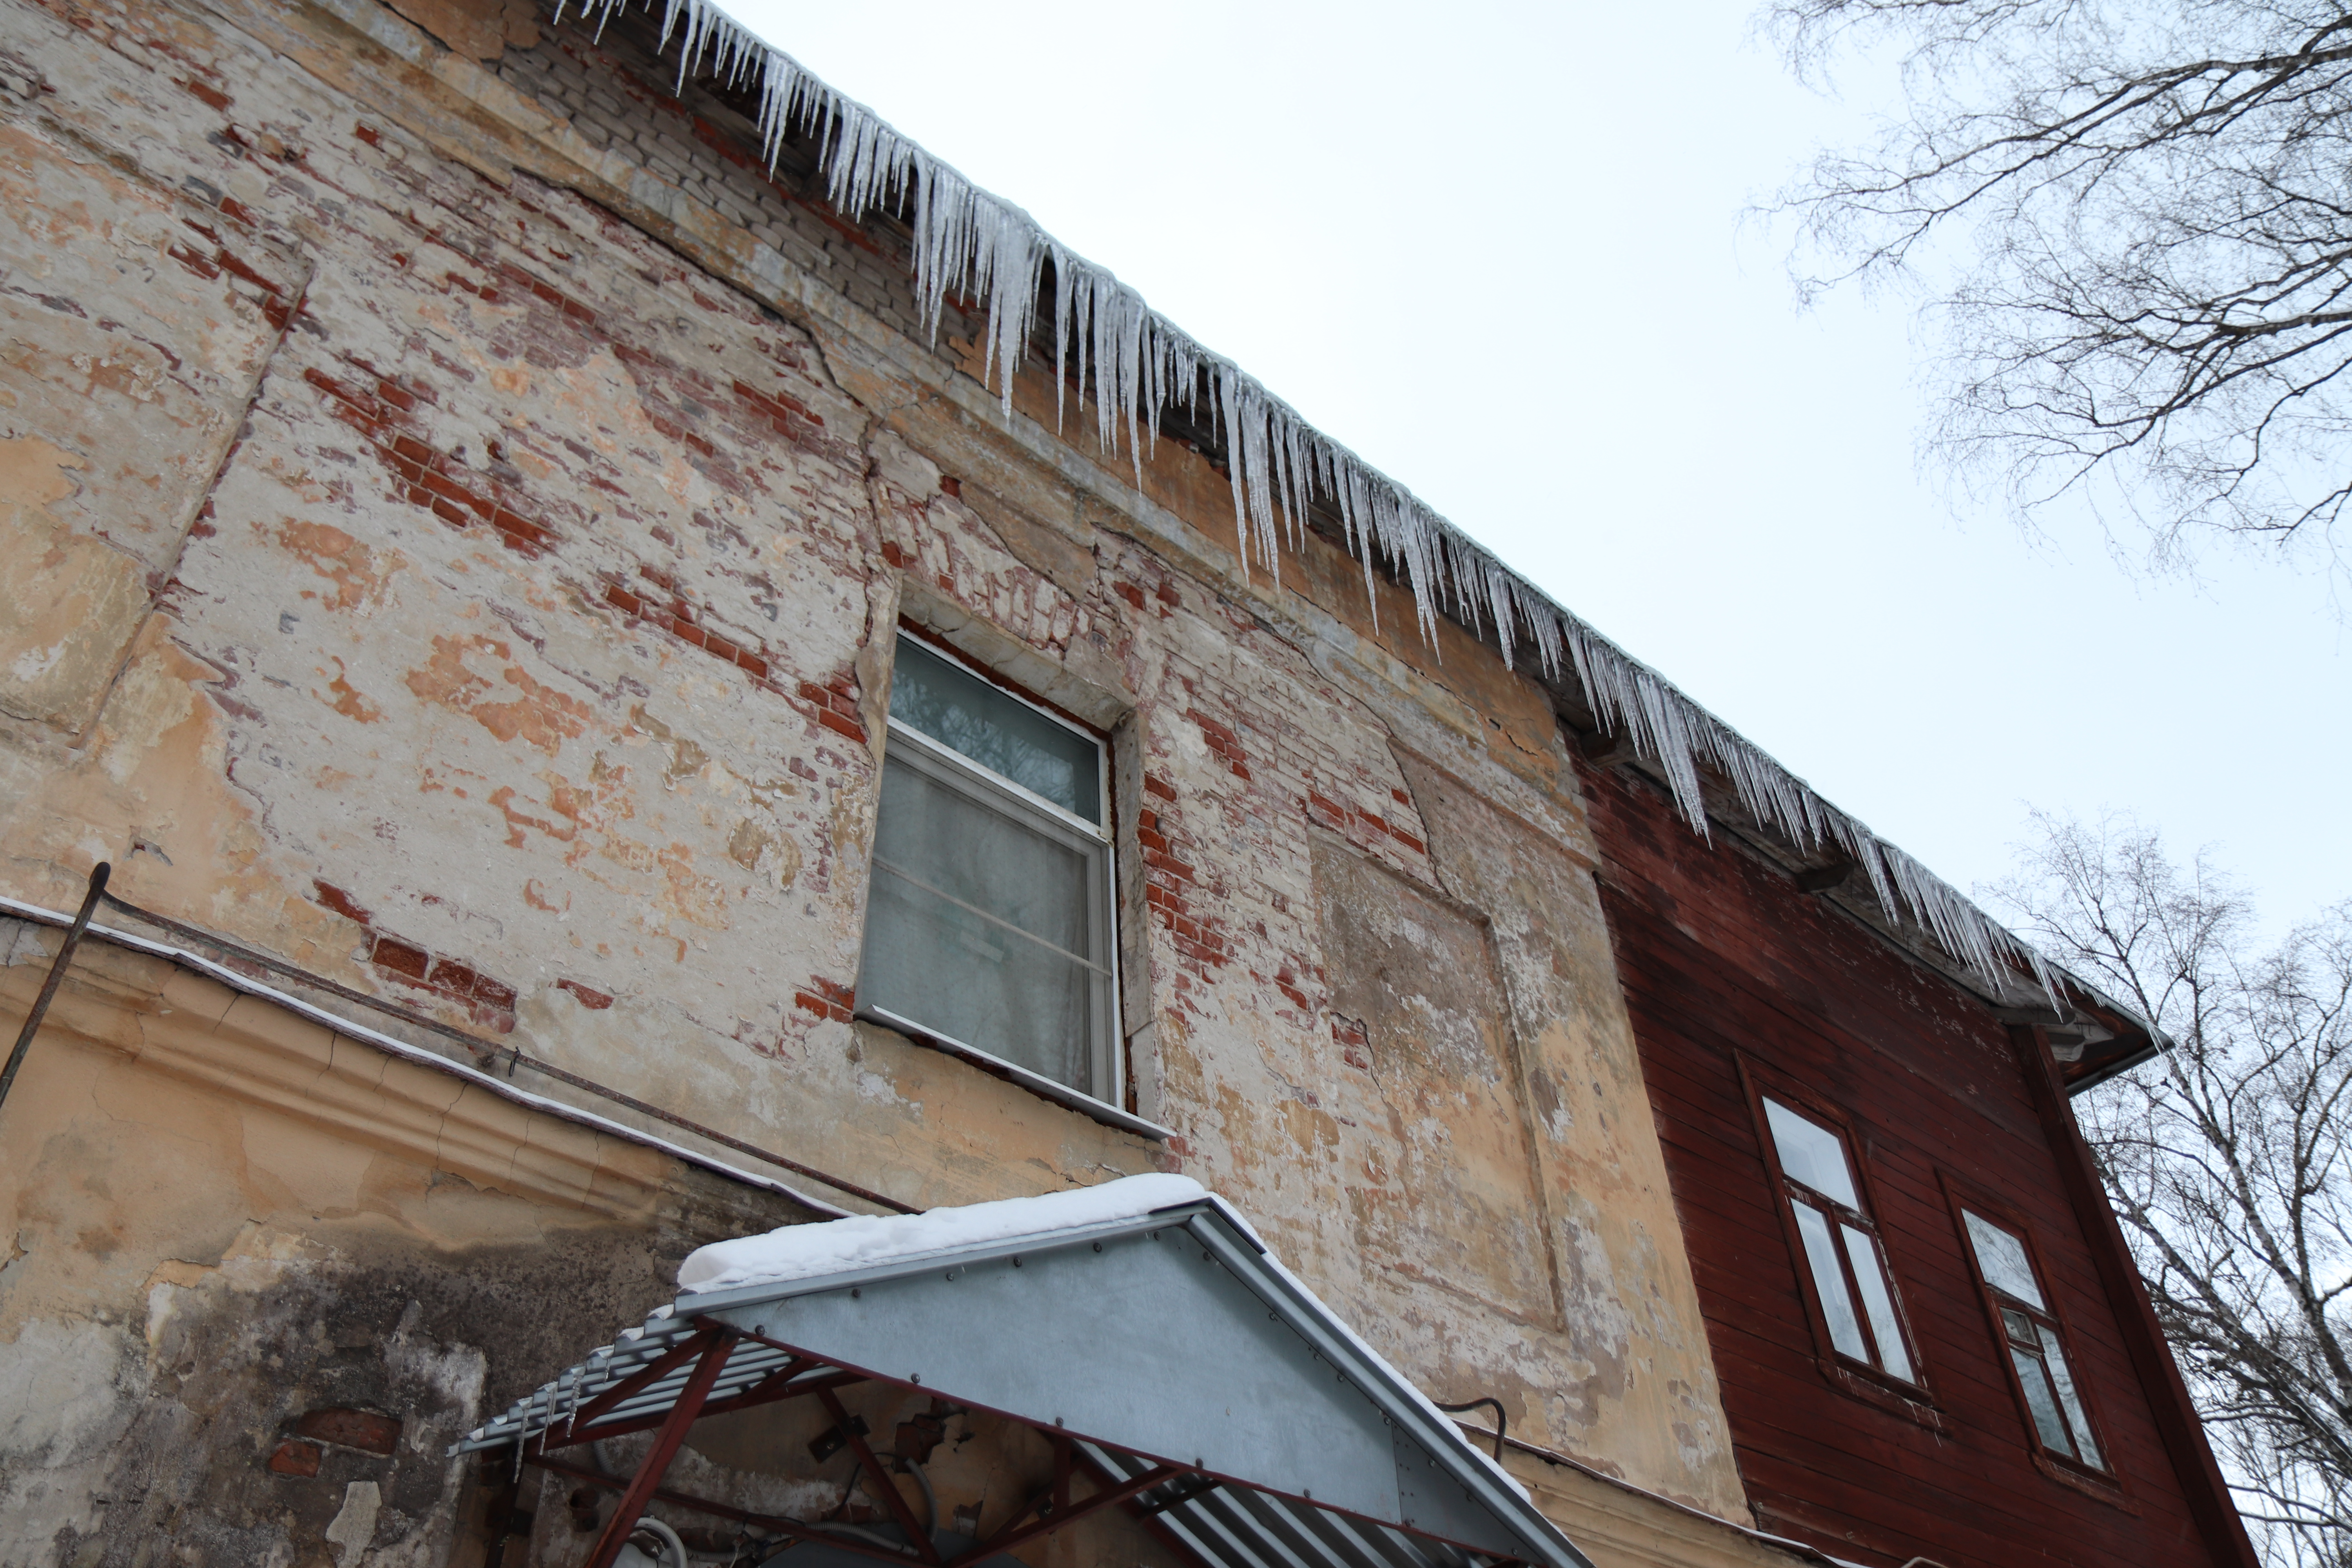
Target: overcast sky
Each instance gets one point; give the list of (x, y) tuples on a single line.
[(1500, 251)]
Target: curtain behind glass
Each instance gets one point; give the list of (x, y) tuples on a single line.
[(999, 732), (983, 927)]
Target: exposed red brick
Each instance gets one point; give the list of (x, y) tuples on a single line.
[(202, 265), (342, 903), (211, 97), (520, 531), (401, 958), (1159, 786), (468, 983), (293, 1458), (823, 1005), (1287, 983), (595, 1001), (361, 1429), (952, 485), (1129, 591), (896, 556)]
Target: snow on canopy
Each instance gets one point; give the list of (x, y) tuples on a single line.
[(809, 1251), (970, 244)]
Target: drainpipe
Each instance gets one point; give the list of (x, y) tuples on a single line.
[(56, 975)]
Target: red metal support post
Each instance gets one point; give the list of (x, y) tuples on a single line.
[(1067, 1513), (649, 1475), (636, 1383), (892, 1497)]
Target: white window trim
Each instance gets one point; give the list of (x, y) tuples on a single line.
[(901, 730)]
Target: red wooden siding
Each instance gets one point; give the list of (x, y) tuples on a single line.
[(1721, 956)]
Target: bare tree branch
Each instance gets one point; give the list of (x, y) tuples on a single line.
[(2230, 1158), (2149, 208)]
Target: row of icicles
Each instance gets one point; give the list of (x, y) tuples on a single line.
[(971, 245)]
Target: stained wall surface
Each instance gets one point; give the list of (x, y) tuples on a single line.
[(492, 498), (260, 1275)]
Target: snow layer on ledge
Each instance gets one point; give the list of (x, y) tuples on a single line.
[(1136, 363), (806, 1251)]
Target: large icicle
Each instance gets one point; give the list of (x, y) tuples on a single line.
[(1135, 362)]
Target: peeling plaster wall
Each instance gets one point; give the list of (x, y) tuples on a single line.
[(550, 484), (225, 1225)]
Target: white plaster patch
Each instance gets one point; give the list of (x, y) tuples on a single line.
[(68, 1391), (354, 1525)]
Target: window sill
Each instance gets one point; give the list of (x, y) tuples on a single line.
[(1035, 1083), (1911, 1406), (2106, 1488)]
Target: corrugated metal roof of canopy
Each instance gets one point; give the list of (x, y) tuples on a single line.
[(1206, 1389), (971, 243)]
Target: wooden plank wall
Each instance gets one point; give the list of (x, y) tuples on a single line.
[(1721, 954)]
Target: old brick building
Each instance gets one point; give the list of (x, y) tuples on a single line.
[(651, 666)]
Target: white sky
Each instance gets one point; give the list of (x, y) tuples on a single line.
[(1499, 250)]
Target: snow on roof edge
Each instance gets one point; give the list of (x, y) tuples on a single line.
[(971, 243), (809, 1251)]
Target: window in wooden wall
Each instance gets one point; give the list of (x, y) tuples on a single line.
[(1844, 1260), (2033, 1341)]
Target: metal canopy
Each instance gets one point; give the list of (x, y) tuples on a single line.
[(1200, 1386)]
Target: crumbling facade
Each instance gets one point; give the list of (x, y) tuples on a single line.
[(466, 507)]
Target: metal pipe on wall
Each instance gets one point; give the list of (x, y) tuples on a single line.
[(56, 975)]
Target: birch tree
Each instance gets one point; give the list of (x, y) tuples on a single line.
[(2131, 217), (2229, 1158)]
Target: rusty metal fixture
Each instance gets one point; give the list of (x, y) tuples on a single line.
[(1502, 1422), (56, 975)]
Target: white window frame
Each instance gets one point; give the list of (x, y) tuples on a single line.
[(1107, 1063)]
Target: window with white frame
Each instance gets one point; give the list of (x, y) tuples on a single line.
[(2031, 1334), (1840, 1242), (990, 920)]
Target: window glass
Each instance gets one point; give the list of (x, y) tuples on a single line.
[(2036, 1350), (1812, 1153), (2039, 1399), (2068, 1400), (1842, 1256), (996, 730), (1829, 1280), (2002, 1257), (989, 916), (1870, 1278), (983, 926)]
